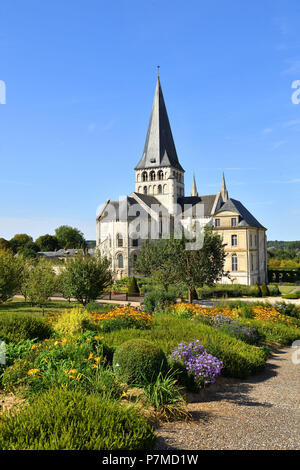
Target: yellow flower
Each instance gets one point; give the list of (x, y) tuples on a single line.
[(88, 339), (72, 371), (124, 395), (94, 366), (33, 371), (97, 359), (91, 356), (56, 343), (78, 376), (33, 346)]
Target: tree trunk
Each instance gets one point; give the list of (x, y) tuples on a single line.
[(190, 294)]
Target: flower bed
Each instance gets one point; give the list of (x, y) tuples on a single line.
[(122, 317)]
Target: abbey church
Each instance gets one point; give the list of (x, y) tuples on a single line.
[(159, 183)]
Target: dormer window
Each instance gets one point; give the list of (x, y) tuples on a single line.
[(152, 160), (217, 223), (233, 222)]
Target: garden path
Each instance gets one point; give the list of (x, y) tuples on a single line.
[(261, 412)]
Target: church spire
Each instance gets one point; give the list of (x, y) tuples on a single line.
[(194, 188), (224, 192), (159, 147)]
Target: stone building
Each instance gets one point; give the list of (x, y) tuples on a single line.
[(159, 199)]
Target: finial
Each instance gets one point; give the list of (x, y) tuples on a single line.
[(158, 67)]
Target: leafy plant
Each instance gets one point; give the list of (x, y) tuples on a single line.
[(138, 360), (72, 420), (15, 328)]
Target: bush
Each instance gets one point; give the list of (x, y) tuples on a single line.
[(15, 328), (265, 290), (73, 322), (158, 300), (40, 283), (239, 359), (138, 361), (292, 295), (73, 365), (289, 309), (255, 290), (133, 288), (277, 333), (273, 289), (71, 420), (122, 317), (9, 276)]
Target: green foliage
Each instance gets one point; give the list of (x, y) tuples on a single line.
[(255, 290), (19, 241), (73, 322), (40, 283), (10, 276), (273, 290), (265, 290), (70, 237), (138, 360), (165, 396), (234, 290), (292, 295), (15, 328), (289, 309), (47, 243), (85, 278), (277, 333), (4, 245), (158, 300), (71, 420), (81, 364), (133, 288), (240, 359)]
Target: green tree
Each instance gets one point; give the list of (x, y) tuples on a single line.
[(70, 237), (85, 278), (39, 283), (47, 243), (19, 241), (155, 260), (4, 244), (29, 250), (10, 276)]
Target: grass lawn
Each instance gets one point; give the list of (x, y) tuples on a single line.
[(53, 307), (288, 289)]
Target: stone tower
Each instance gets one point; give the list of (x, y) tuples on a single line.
[(159, 172)]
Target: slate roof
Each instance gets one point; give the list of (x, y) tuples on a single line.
[(159, 147), (206, 200), (246, 218)]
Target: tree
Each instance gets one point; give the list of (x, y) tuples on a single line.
[(4, 244), (85, 278), (29, 250), (19, 241), (40, 283), (9, 276), (133, 288), (170, 262), (47, 243), (202, 266), (155, 260), (70, 237)]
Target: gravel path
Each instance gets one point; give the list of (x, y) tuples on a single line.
[(261, 412)]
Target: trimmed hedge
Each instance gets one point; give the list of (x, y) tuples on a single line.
[(72, 420), (15, 328), (240, 359), (139, 361)]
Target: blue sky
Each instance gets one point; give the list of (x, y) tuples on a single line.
[(80, 77)]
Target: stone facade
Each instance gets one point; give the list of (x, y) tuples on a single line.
[(159, 182)]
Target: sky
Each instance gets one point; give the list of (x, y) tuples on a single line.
[(80, 77)]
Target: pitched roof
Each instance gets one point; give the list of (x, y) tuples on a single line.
[(247, 219), (159, 147), (207, 201)]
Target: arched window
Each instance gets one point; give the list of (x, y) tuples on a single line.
[(165, 189), (120, 261), (145, 189), (152, 175), (159, 189), (144, 176), (119, 240), (160, 175), (234, 262)]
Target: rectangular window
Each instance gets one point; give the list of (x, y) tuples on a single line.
[(217, 223), (255, 240), (234, 240), (251, 240), (135, 242), (234, 260), (233, 222)]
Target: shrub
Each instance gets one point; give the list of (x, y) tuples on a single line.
[(68, 420), (265, 290), (255, 290), (292, 295), (273, 289), (73, 322), (239, 359), (40, 283), (123, 317), (198, 361), (133, 288), (138, 360), (165, 396), (15, 328), (277, 333), (74, 365), (158, 300), (289, 309), (235, 328)]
